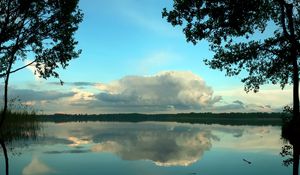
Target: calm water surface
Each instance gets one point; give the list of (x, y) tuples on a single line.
[(150, 148)]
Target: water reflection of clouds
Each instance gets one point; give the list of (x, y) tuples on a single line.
[(164, 148), (37, 167), (166, 144), (77, 142), (250, 138)]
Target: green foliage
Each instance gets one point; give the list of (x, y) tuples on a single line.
[(229, 26), (41, 30)]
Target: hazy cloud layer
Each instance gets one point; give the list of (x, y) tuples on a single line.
[(268, 99), (49, 101), (240, 106), (33, 95), (165, 92), (78, 83)]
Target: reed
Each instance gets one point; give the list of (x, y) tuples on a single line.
[(20, 125)]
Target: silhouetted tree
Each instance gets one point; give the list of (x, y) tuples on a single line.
[(229, 26), (290, 132), (40, 30)]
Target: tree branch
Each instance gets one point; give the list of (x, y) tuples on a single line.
[(271, 51), (282, 5), (20, 68), (289, 8)]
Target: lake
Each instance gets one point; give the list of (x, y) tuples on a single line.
[(149, 148)]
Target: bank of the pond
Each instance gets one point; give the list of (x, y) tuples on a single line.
[(205, 118), (19, 125)]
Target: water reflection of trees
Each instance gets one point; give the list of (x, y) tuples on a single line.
[(2, 143), (291, 150), (17, 128)]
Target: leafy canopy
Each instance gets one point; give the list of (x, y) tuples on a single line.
[(41, 30), (224, 22)]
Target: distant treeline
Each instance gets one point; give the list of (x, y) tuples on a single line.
[(205, 118)]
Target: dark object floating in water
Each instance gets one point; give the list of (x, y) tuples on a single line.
[(247, 161)]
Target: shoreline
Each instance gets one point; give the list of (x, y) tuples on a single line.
[(275, 119)]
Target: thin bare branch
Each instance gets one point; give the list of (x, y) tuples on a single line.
[(20, 68)]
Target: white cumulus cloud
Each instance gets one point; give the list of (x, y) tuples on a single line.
[(168, 90)]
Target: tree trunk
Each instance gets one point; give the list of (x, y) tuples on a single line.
[(294, 60), (294, 57), (3, 114), (295, 84), (295, 90), (296, 153)]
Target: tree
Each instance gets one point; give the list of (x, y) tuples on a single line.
[(224, 22), (229, 26), (41, 30)]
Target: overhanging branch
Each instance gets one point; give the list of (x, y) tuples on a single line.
[(20, 68)]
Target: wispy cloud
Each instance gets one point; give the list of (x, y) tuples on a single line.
[(35, 95), (157, 60), (151, 20)]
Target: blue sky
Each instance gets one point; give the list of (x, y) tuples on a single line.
[(125, 45)]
